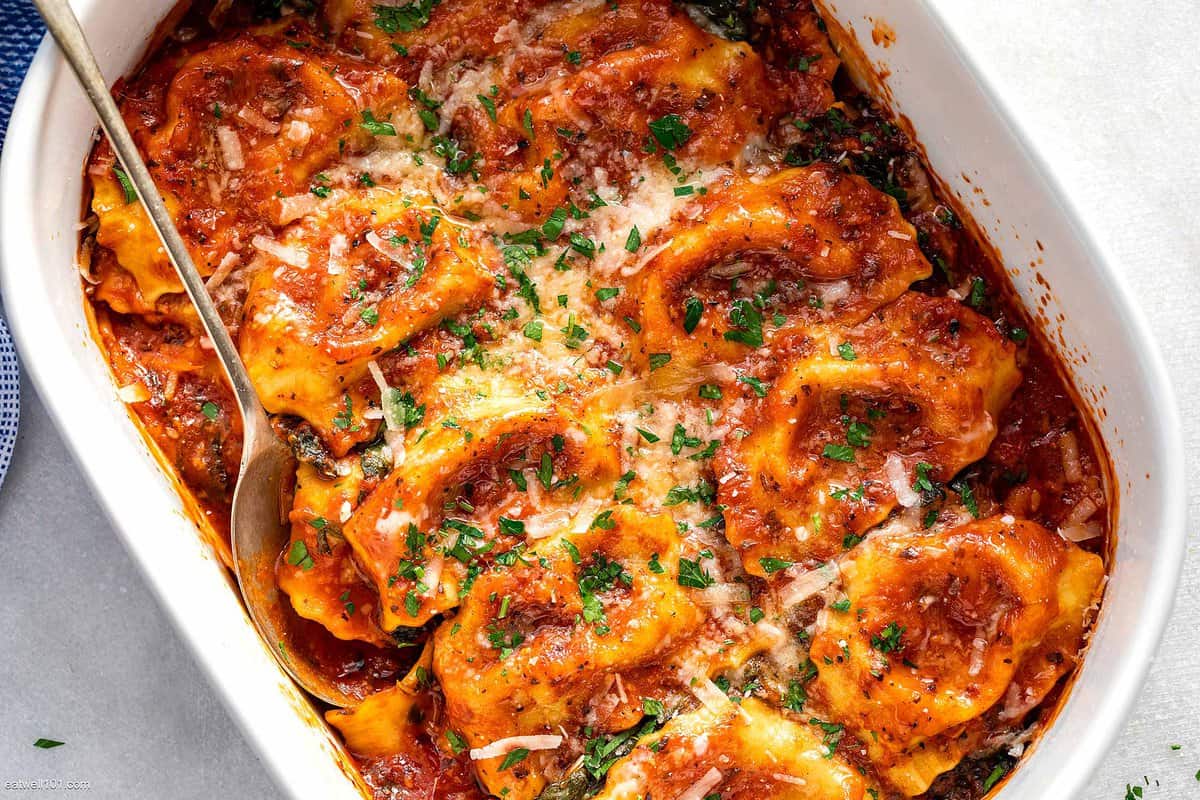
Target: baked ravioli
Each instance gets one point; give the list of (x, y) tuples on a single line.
[(661, 429)]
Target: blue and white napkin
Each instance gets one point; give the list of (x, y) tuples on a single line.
[(20, 33)]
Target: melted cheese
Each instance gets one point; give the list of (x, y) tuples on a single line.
[(739, 752)]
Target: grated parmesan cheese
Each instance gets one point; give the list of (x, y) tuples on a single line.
[(808, 584), (502, 747), (292, 256), (231, 148), (900, 482), (134, 393), (700, 789)]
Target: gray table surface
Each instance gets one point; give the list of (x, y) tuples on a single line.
[(1107, 90)]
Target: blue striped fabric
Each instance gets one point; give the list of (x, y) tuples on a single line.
[(20, 32)]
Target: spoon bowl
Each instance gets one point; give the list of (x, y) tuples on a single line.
[(260, 532)]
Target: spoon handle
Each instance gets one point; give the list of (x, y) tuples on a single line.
[(64, 27)]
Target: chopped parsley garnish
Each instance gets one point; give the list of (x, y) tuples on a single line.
[(574, 335), (649, 436), (504, 641), (758, 386), (839, 452), (488, 104), (670, 131), (406, 18), (374, 126), (967, 495), (858, 434), (513, 758), (999, 772), (598, 577), (583, 245), (802, 63), (572, 550), (126, 185), (621, 488), (457, 743), (692, 575), (516, 258), (773, 565), (511, 527), (845, 494), (426, 112), (978, 293), (833, 734), (401, 407), (888, 639), (846, 351), (469, 540), (553, 225), (795, 697), (923, 484), (680, 439), (298, 556), (603, 521), (634, 240), (412, 604), (653, 708), (344, 419), (458, 161), (692, 310), (678, 495), (747, 324)]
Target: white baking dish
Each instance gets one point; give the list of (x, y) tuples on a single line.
[(971, 142)]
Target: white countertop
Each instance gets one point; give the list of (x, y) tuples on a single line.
[(1107, 90)]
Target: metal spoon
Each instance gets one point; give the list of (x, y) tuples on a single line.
[(258, 529)]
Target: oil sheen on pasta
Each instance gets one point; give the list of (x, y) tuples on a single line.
[(661, 432)]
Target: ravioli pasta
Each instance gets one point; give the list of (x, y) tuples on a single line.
[(660, 430)]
